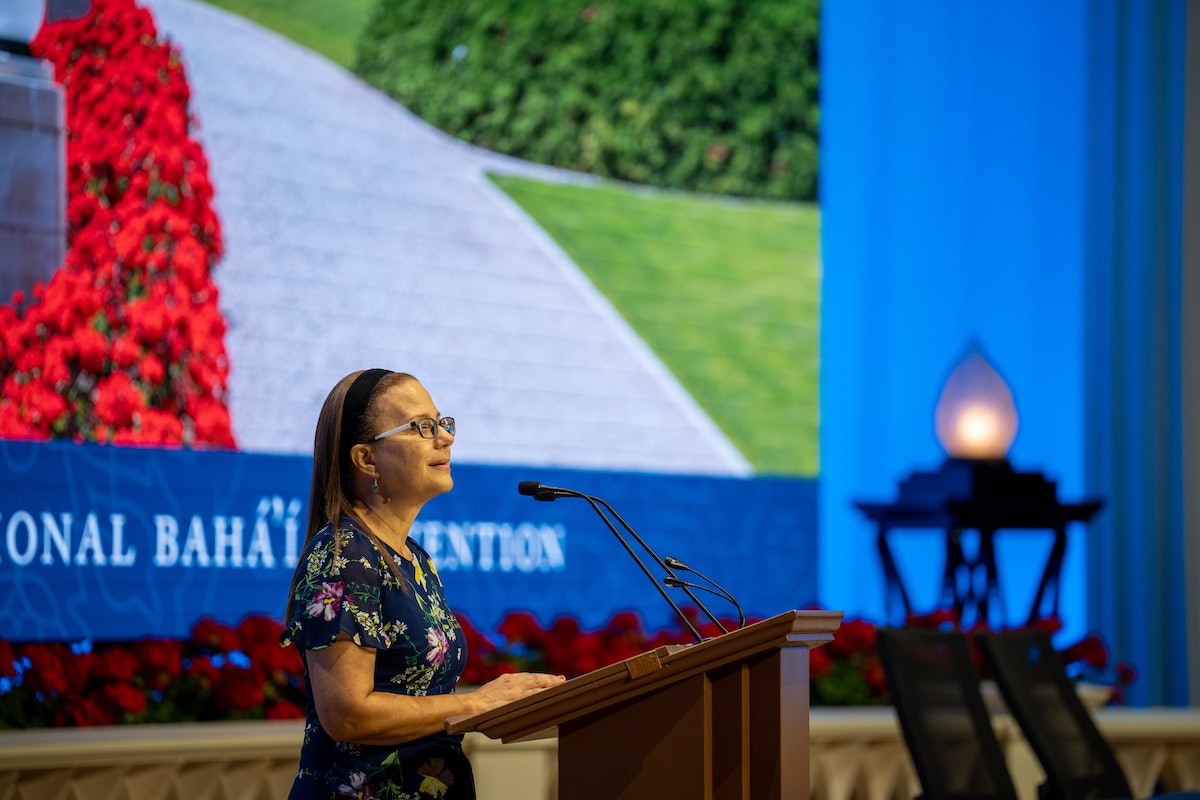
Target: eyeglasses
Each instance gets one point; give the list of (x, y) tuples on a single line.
[(428, 427)]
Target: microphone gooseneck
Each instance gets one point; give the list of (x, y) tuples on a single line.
[(716, 589)]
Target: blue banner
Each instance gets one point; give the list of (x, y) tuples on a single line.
[(117, 543)]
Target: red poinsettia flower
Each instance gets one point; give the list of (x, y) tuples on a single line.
[(215, 636), (1089, 650), (123, 698), (8, 660), (284, 709), (237, 689)]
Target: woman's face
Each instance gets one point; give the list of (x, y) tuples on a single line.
[(410, 467)]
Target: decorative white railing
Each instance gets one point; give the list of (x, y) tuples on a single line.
[(855, 753)]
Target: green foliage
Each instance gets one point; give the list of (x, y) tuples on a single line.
[(726, 292), (845, 684), (716, 96)]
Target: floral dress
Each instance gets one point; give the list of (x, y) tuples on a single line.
[(419, 648)]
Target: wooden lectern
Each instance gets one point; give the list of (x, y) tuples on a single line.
[(725, 718)]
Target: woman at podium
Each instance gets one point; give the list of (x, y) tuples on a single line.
[(382, 650)]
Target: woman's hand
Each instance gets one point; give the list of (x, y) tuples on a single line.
[(351, 710), (512, 686)]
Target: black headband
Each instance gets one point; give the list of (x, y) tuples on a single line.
[(355, 404)]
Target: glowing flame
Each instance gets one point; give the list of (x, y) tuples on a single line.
[(976, 416)]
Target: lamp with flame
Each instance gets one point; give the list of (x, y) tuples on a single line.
[(976, 417)]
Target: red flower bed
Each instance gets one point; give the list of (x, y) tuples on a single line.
[(125, 343), (222, 672), (564, 648)]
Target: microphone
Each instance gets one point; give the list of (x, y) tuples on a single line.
[(545, 493), (717, 589)]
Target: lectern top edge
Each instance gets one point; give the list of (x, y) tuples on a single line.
[(646, 672)]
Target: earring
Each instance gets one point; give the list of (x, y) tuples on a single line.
[(375, 485)]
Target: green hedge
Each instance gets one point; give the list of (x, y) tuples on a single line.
[(706, 95)]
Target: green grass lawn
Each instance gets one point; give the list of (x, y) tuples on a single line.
[(726, 292), (330, 27)]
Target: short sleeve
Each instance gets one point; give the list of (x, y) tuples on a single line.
[(341, 589)]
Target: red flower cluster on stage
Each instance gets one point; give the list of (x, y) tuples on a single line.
[(219, 673), (125, 343), (564, 648), (847, 671)]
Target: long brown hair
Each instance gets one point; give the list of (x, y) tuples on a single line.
[(332, 493)]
